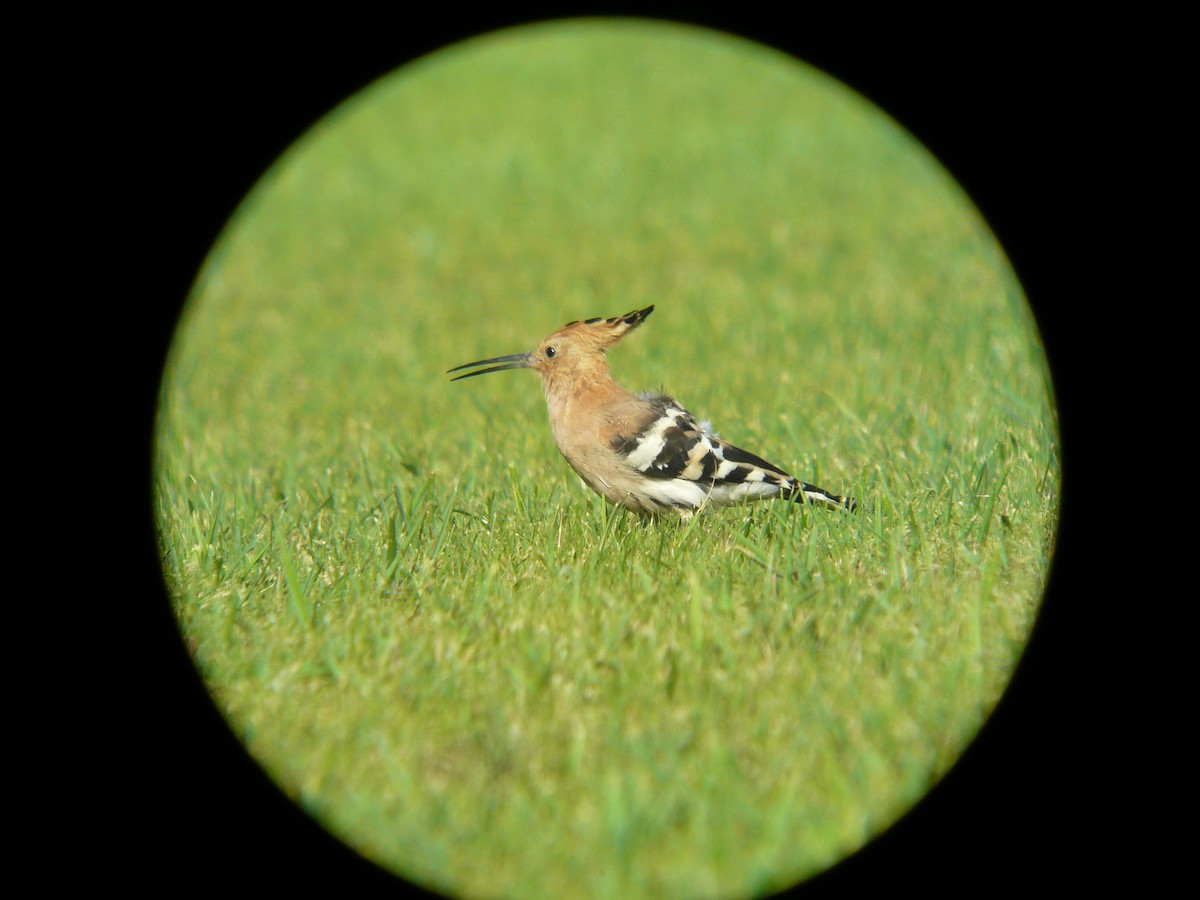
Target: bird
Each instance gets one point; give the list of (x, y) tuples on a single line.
[(644, 452)]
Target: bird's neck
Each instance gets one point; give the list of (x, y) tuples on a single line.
[(582, 394)]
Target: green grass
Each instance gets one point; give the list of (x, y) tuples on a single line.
[(449, 651)]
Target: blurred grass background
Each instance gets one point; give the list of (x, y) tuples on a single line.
[(454, 655)]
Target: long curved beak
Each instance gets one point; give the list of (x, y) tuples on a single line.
[(515, 361)]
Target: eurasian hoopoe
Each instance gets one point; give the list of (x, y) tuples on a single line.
[(645, 451)]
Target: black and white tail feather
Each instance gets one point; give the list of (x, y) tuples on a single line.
[(689, 465)]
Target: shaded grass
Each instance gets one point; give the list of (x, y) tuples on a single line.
[(461, 661)]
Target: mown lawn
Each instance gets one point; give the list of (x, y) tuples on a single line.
[(455, 656)]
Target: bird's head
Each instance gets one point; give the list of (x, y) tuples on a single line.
[(571, 356)]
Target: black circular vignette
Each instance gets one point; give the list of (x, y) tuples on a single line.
[(201, 118)]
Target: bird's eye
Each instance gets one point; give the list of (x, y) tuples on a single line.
[(551, 353)]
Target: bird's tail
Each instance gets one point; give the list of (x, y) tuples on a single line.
[(809, 493)]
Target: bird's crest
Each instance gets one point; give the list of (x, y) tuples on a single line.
[(600, 333)]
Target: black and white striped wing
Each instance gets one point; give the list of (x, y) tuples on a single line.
[(687, 464)]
